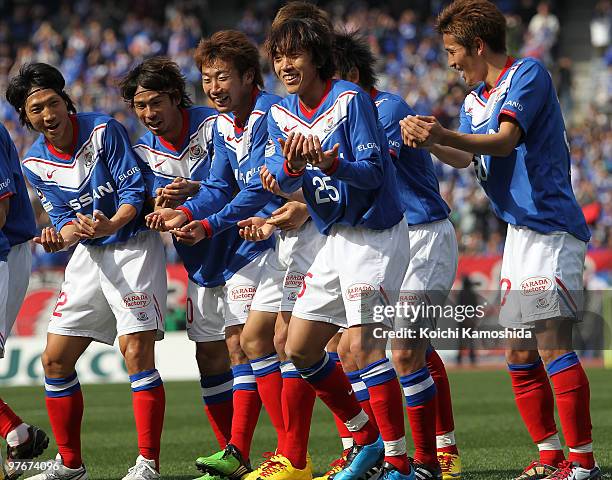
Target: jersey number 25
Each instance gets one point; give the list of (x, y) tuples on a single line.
[(325, 193)]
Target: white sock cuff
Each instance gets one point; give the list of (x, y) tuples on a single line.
[(347, 442), (395, 448), (588, 448), (445, 440), (357, 422), (18, 436), (550, 443)]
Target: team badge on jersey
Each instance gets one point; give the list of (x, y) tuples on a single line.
[(196, 152), (89, 157), (329, 124)]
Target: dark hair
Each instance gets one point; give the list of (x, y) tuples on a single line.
[(159, 74), (352, 51), (304, 35), (467, 20), (35, 76), (301, 9), (230, 46)]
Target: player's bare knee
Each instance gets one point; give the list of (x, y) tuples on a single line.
[(138, 351), (55, 366), (520, 357), (212, 358), (255, 347), (300, 355), (407, 361)]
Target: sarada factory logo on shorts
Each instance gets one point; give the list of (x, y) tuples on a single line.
[(535, 285), (357, 291), (242, 292), (136, 300), (294, 280)]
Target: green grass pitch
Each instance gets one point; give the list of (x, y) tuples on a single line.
[(492, 439)]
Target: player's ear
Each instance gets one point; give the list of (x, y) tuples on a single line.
[(479, 45), (249, 76)]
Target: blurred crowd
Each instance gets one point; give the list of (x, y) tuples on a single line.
[(95, 43)]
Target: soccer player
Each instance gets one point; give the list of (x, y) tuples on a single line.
[(513, 131), (17, 228), (90, 184), (232, 80), (430, 275), (223, 271), (325, 139)]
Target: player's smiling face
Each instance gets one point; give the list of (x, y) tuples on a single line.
[(296, 71), (157, 111), (226, 89), (469, 64), (47, 112)]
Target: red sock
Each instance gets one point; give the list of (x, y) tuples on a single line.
[(333, 388), (420, 392), (149, 408), (220, 419), (247, 406), (452, 449), (535, 403), (386, 403), (9, 420), (573, 404), (551, 457), (65, 415), (298, 402), (218, 397), (444, 406), (270, 389), (422, 424)]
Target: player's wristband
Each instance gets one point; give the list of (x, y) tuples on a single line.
[(291, 172), (186, 212), (207, 228)]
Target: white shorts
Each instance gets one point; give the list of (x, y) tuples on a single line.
[(541, 277), (210, 310), (283, 275), (356, 270), (18, 269), (433, 265), (113, 290)]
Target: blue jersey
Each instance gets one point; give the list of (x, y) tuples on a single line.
[(238, 157), (101, 173), (212, 261), (418, 184), (20, 225), (531, 187), (360, 188)]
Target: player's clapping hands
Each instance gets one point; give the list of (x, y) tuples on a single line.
[(191, 233), (268, 181), (313, 153), (51, 240), (255, 229), (96, 226), (292, 151), (165, 219), (299, 150), (290, 216), (420, 131), (176, 192)]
